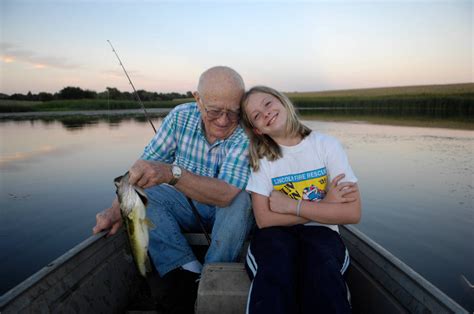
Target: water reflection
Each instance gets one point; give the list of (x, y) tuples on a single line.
[(10, 161), (462, 114), (79, 121)]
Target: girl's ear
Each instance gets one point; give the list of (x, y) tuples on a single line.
[(257, 131)]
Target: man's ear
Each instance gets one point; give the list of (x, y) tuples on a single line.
[(196, 96), (198, 99), (257, 131)]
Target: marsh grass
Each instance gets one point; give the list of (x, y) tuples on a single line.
[(445, 89)]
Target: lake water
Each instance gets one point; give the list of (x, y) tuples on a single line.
[(417, 191)]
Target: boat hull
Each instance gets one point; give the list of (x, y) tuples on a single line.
[(99, 275)]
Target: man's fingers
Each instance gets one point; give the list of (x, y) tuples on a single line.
[(133, 177), (98, 228), (148, 185), (143, 182), (114, 229), (136, 172), (98, 224)]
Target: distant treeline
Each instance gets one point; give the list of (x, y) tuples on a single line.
[(68, 93), (453, 101)]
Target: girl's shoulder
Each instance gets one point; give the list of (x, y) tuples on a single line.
[(321, 139)]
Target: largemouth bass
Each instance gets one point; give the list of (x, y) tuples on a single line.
[(133, 201)]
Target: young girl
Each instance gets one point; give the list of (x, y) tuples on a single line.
[(296, 259)]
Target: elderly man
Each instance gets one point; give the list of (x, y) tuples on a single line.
[(200, 152)]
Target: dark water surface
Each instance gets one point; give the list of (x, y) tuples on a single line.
[(416, 183)]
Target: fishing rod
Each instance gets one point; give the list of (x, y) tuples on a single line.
[(134, 90), (193, 207)]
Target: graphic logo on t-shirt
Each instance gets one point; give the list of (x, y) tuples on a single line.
[(309, 185)]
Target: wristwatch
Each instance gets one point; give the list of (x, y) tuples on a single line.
[(176, 172)]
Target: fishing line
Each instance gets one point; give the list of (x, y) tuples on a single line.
[(193, 207), (134, 90)]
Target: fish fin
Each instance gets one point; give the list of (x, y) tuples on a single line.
[(149, 223)]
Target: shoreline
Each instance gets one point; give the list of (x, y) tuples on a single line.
[(161, 112)]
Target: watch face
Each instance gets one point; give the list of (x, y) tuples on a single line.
[(176, 171)]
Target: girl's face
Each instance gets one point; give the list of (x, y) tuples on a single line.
[(267, 114)]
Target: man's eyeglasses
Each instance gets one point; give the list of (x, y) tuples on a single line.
[(213, 114)]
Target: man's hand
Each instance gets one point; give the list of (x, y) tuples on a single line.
[(145, 173), (281, 203), (108, 219), (337, 191)]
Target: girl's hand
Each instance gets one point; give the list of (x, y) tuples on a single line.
[(281, 203), (337, 192)]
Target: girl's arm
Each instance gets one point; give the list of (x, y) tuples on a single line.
[(340, 206), (323, 212), (267, 218)]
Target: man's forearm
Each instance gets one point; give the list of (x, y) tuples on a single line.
[(207, 190)]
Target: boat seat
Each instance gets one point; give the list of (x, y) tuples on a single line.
[(223, 288)]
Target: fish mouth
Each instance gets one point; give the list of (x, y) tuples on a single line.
[(118, 179), (119, 185)]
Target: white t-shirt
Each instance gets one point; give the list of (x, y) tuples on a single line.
[(304, 170)]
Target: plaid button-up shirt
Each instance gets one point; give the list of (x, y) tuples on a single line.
[(181, 140)]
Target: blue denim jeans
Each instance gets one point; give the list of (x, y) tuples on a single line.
[(171, 213)]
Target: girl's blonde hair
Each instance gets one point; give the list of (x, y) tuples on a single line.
[(263, 145)]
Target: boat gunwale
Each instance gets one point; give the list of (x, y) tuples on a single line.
[(369, 246)]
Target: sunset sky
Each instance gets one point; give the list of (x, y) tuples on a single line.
[(292, 46)]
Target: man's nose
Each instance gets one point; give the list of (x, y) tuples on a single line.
[(223, 118)]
